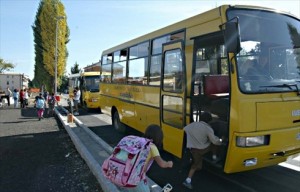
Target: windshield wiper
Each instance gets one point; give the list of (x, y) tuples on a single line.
[(290, 86)]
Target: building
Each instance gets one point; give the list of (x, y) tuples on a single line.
[(92, 67), (13, 81)]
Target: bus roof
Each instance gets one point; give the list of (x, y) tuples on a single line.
[(74, 75), (90, 73), (213, 14)]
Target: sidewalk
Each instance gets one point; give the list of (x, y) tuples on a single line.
[(39, 155), (92, 149)]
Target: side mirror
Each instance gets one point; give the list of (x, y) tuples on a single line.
[(232, 37)]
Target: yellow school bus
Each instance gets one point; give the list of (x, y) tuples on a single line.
[(88, 83), (170, 76)]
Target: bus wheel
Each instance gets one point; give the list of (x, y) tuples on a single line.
[(120, 127), (86, 107)]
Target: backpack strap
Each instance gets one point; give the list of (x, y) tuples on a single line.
[(127, 167), (148, 164), (105, 163)]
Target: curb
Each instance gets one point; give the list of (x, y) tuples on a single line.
[(83, 151), (94, 165)]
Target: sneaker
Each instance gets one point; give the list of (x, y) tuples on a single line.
[(187, 185), (215, 159)]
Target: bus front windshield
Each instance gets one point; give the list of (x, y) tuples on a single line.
[(269, 60), (92, 83)]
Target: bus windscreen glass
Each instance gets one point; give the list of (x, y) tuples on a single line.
[(269, 60), (92, 83)]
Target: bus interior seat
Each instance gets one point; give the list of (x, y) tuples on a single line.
[(215, 84)]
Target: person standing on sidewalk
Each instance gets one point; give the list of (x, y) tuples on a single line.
[(8, 94), (40, 104), (22, 98), (26, 98), (16, 98), (51, 103), (76, 100)]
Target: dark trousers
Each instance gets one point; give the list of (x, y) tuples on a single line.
[(7, 98)]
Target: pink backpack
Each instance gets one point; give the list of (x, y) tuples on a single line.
[(126, 164)]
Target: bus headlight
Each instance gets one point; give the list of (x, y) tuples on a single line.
[(252, 141), (93, 100)]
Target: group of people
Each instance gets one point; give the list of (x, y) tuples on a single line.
[(24, 96), (200, 140), (44, 97), (41, 102), (17, 96)]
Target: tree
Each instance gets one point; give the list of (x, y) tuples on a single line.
[(64, 83), (5, 66), (75, 69), (44, 29)]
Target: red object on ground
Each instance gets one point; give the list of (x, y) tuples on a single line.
[(57, 98)]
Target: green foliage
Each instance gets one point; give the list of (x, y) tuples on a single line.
[(75, 69), (44, 29), (5, 66), (64, 83)]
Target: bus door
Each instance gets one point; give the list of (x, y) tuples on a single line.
[(172, 97), (211, 86)]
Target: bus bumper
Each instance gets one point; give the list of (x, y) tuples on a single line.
[(282, 144)]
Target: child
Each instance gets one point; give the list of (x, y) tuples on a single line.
[(51, 104), (40, 103), (154, 133)]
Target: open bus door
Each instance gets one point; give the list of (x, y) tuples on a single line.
[(172, 97)]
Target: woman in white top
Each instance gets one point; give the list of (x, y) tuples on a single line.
[(76, 100), (26, 97)]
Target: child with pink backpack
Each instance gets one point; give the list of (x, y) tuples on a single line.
[(131, 159), (40, 104)]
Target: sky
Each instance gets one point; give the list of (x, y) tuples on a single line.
[(96, 25)]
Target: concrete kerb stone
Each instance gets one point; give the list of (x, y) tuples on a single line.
[(92, 163), (94, 166), (105, 146)]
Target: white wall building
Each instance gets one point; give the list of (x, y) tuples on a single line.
[(13, 81)]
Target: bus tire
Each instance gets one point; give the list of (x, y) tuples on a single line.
[(118, 125)]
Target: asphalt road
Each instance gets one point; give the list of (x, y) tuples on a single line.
[(39, 156)]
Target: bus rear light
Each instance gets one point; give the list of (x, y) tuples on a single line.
[(250, 162), (252, 141)]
